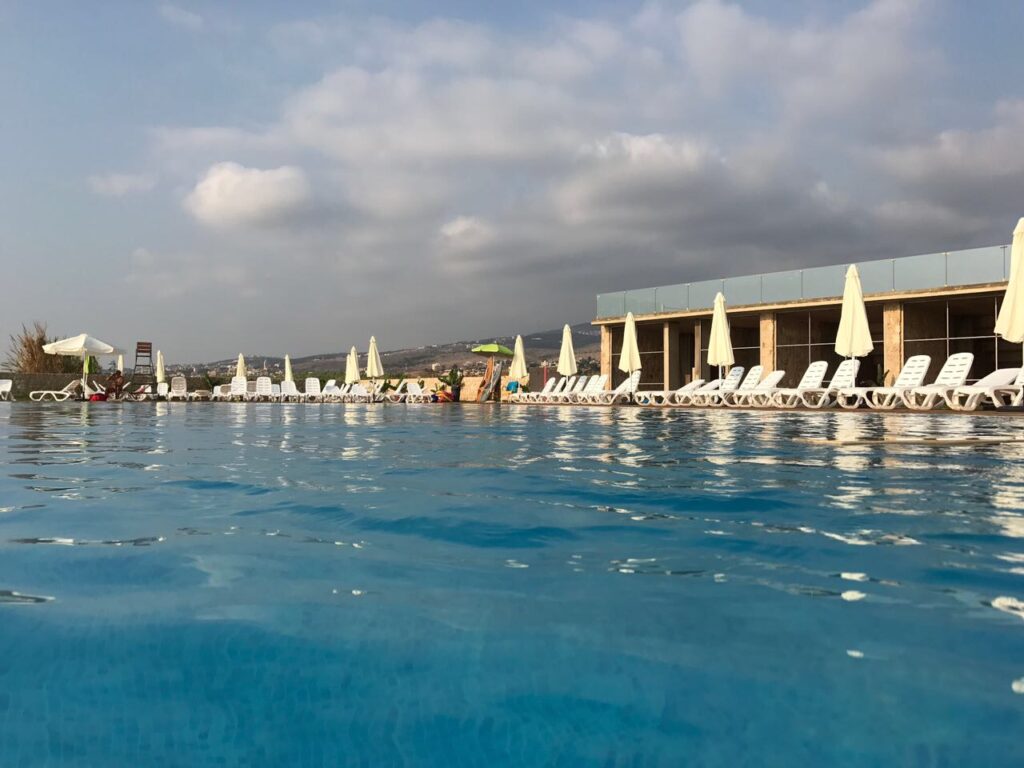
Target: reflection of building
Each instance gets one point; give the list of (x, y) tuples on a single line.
[(935, 304)]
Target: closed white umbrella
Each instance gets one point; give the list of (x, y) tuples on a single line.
[(518, 370), (352, 367), (83, 345), (288, 368), (240, 372), (374, 369), (161, 375), (629, 358), (1010, 323), (720, 340), (567, 355), (120, 363), (854, 337)]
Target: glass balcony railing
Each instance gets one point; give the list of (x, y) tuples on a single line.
[(976, 266)]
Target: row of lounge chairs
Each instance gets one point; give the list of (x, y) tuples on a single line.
[(1001, 388), (580, 390), (263, 390)]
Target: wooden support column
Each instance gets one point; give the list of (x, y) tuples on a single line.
[(892, 340), (698, 329), (670, 348), (606, 351), (768, 341)]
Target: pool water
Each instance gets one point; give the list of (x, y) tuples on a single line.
[(271, 585)]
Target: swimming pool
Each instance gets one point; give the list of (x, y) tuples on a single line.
[(464, 586)]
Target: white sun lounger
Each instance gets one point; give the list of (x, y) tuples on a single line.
[(997, 386), (311, 389), (760, 395), (58, 395), (567, 395), (652, 397), (717, 397), (813, 378), (698, 397), (595, 385), (686, 397), (414, 393), (5, 389), (887, 398), (262, 389), (179, 389), (524, 397), (953, 374), (289, 391), (564, 385), (621, 394), (845, 377), (398, 394)]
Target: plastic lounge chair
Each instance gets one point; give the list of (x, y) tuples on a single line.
[(732, 381), (162, 390), (263, 389), (311, 390), (845, 377), (1011, 395), (5, 389), (414, 393), (686, 397), (759, 396), (566, 396), (398, 394), (221, 392), (564, 385), (358, 394), (275, 392), (250, 390), (595, 385), (651, 397), (970, 397), (239, 388), (887, 398), (179, 389), (952, 375), (621, 394), (289, 391), (524, 397), (723, 394), (813, 378), (330, 391), (57, 395)]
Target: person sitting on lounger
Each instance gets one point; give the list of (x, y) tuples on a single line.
[(115, 384)]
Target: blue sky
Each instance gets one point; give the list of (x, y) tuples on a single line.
[(280, 178)]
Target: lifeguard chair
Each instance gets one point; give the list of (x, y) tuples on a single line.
[(143, 359)]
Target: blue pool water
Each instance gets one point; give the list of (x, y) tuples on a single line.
[(268, 585)]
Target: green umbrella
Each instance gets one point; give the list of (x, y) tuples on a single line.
[(493, 348)]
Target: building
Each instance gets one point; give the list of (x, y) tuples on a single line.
[(934, 304)]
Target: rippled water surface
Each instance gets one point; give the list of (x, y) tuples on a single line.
[(199, 584)]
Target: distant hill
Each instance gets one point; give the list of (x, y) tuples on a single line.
[(542, 345)]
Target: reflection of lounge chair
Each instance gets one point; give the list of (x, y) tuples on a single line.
[(5, 389), (1004, 383), (665, 396), (953, 375), (58, 395), (887, 398), (813, 378)]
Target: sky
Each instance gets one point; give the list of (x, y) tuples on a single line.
[(274, 177)]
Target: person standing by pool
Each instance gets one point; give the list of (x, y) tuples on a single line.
[(115, 384)]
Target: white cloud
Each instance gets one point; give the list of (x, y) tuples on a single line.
[(230, 194), (181, 17), (121, 184), (688, 141)]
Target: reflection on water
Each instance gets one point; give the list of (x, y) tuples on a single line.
[(464, 575)]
